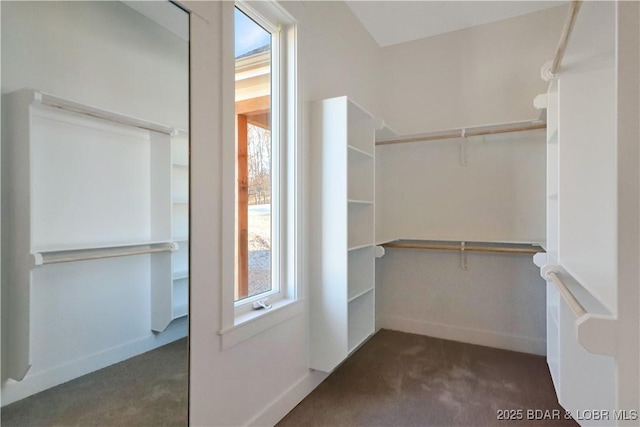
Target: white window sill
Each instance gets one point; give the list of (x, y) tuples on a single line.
[(258, 321)]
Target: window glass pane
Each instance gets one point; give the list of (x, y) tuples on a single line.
[(253, 165)]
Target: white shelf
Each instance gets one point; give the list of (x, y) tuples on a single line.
[(179, 275), (361, 267), (360, 224), (180, 299), (54, 257), (180, 311), (360, 171), (360, 129), (361, 319), (359, 151), (361, 294), (355, 248), (95, 246), (343, 299)]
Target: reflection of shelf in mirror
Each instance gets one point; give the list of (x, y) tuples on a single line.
[(553, 138), (358, 295), (355, 248), (553, 196), (180, 311), (85, 254), (179, 275), (180, 165), (359, 151), (362, 202)]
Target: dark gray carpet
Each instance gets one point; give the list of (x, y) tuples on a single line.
[(147, 390), (399, 379)]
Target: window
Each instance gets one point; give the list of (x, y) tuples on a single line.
[(262, 170), (265, 180), (257, 166)]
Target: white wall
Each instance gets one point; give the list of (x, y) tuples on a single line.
[(259, 380), (424, 192), (476, 76), (106, 55), (98, 53), (498, 302)]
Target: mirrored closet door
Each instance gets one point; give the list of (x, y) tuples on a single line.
[(95, 213)]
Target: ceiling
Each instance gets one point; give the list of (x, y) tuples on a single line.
[(393, 22)]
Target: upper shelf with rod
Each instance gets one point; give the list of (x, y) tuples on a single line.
[(447, 245), (522, 126), (55, 257), (99, 113)]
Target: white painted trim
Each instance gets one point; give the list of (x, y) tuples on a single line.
[(467, 335), (254, 323), (284, 403), (13, 391)]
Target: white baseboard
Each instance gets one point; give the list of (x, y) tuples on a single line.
[(12, 391), (283, 404), (468, 335)]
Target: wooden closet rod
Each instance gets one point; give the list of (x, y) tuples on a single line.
[(76, 107), (55, 257), (564, 38), (465, 132), (573, 303), (495, 249)]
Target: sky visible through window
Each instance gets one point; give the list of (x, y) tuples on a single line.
[(249, 35)]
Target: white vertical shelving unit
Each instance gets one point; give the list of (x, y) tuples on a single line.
[(583, 194), (343, 296), (172, 302), (180, 224), (553, 297), (87, 190)]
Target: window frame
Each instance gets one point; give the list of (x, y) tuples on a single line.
[(287, 220), (278, 229)]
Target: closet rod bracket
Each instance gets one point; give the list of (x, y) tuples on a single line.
[(545, 72), (463, 147), (463, 257), (596, 329)]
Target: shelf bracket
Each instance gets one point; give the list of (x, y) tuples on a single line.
[(598, 334), (463, 147), (463, 257)]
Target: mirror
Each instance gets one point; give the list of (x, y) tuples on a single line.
[(95, 211)]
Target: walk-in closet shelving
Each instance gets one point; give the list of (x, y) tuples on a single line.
[(180, 223), (459, 214), (343, 298), (581, 266), (86, 190)]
